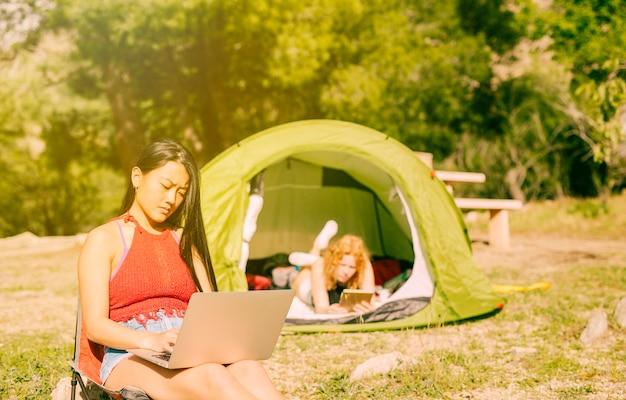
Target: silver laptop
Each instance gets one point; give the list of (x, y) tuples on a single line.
[(226, 327)]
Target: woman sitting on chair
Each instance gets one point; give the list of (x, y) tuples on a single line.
[(136, 274), (345, 265)]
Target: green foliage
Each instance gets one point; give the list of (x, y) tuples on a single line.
[(601, 123), (589, 209), (20, 23), (562, 100), (492, 19), (414, 77), (524, 91), (590, 36), (46, 200), (55, 147), (604, 105), (524, 157), (222, 71), (569, 216), (586, 34)]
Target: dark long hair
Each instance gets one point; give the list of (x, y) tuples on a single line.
[(188, 214)]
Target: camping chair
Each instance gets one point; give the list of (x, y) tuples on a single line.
[(86, 369)]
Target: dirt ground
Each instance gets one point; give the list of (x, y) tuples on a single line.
[(532, 252), (55, 258), (39, 273), (527, 251)]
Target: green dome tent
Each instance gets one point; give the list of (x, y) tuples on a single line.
[(309, 172)]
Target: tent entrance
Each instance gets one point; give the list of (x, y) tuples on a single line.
[(307, 189), (304, 191)]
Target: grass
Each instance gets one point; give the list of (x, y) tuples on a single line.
[(531, 349), (579, 217), (32, 365)]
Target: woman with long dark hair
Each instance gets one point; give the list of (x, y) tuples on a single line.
[(136, 274)]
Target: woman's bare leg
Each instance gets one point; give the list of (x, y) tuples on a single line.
[(303, 275), (253, 377), (323, 238), (207, 381)]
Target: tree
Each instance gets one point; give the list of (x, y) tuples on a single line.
[(601, 124), (19, 20), (413, 73), (591, 36), (213, 73), (54, 145), (529, 155)]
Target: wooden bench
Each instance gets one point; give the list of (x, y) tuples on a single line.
[(461, 177), (498, 217), (499, 235), (450, 177)]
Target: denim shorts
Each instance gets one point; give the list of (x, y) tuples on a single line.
[(162, 323)]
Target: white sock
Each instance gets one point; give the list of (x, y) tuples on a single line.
[(249, 227), (323, 238), (249, 223), (302, 259), (245, 252)]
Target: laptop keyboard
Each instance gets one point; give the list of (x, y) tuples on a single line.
[(163, 356)]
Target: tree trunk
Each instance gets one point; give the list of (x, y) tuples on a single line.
[(213, 100), (179, 96), (129, 133), (515, 187)]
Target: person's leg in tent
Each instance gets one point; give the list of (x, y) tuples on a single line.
[(302, 282), (255, 205), (319, 244), (323, 238)]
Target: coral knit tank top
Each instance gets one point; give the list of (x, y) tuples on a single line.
[(151, 277)]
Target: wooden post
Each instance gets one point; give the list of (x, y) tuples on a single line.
[(427, 158), (499, 229)]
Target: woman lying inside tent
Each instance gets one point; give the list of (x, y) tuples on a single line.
[(322, 280), (383, 275), (344, 265)]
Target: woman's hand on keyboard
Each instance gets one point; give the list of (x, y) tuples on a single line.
[(163, 341)]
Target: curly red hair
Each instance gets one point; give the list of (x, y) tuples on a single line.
[(345, 245)]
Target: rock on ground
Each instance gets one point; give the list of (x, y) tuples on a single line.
[(63, 390), (620, 313), (596, 327), (380, 364)]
